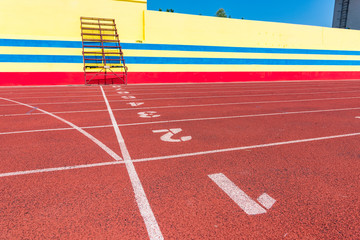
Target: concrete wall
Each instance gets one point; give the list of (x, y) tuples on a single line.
[(40, 43)]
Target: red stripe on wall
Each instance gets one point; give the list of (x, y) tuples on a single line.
[(68, 78)]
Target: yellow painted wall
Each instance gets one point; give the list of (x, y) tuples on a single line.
[(60, 19), (174, 28)]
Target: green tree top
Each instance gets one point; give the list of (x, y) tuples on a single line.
[(221, 13)]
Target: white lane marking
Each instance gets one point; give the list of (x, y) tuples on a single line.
[(242, 95), (266, 200), (151, 224), (151, 99), (148, 114), (357, 117), (123, 92), (185, 155), (281, 82), (128, 97), (158, 107), (45, 170), (169, 133), (134, 104), (88, 135), (52, 129), (187, 120), (246, 147), (249, 206)]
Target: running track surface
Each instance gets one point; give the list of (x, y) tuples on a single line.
[(276, 160)]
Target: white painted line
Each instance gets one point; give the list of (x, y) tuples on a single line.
[(357, 117), (202, 97), (45, 170), (179, 155), (187, 120), (179, 93), (52, 129), (88, 135), (249, 206), (164, 107), (245, 148), (151, 224), (266, 200)]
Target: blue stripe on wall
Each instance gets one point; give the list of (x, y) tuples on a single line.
[(172, 47), (39, 43), (170, 60), (40, 58)]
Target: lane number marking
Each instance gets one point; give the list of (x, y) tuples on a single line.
[(169, 133), (148, 114), (249, 206), (123, 92), (128, 97), (135, 104), (266, 200)]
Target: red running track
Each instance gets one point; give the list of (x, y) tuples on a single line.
[(295, 141)]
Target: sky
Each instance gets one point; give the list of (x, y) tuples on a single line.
[(307, 12)]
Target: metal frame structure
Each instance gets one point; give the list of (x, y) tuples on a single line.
[(102, 53)]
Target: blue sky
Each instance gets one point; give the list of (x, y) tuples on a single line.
[(308, 12)]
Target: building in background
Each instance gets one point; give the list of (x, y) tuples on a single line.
[(347, 14)]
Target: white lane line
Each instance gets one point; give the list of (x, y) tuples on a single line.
[(179, 155), (161, 107), (52, 129), (194, 92), (188, 120), (249, 206), (245, 95), (151, 224), (222, 86), (245, 148), (45, 170), (259, 84), (202, 97), (63, 96), (88, 135)]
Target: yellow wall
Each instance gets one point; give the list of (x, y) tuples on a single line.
[(60, 19), (174, 28)]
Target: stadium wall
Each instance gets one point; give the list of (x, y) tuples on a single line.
[(40, 43)]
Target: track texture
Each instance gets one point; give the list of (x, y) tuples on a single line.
[(295, 141)]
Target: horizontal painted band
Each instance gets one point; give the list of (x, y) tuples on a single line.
[(171, 60), (78, 67), (172, 47), (63, 78)]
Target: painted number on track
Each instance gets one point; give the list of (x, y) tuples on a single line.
[(123, 92), (128, 97), (135, 104), (170, 133), (247, 204), (148, 114)]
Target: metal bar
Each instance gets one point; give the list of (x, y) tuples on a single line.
[(103, 24), (102, 19)]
